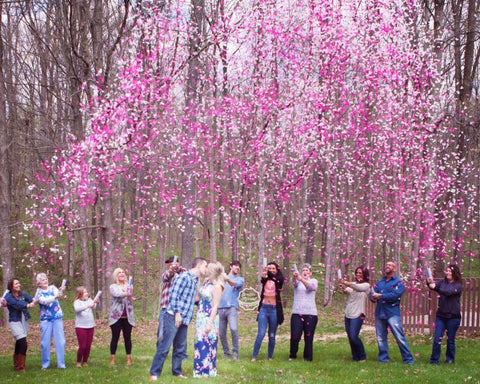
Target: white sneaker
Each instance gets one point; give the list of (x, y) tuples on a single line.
[(153, 378)]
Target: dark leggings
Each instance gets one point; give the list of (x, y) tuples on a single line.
[(122, 325), (21, 346), (302, 324)]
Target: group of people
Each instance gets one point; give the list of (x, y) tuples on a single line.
[(51, 319), (386, 293), (217, 299)]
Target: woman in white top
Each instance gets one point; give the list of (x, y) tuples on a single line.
[(304, 317), (357, 293), (84, 324)]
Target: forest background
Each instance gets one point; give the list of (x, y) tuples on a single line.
[(334, 132)]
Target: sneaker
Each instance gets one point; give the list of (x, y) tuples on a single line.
[(181, 376), (235, 356), (153, 378)]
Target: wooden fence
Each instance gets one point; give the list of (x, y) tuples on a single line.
[(419, 306)]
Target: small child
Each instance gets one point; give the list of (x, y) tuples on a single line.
[(84, 324)]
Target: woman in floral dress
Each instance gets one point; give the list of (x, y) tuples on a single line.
[(206, 323)]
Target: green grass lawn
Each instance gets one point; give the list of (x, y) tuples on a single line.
[(332, 363)]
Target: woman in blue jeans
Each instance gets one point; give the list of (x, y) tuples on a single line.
[(448, 313), (357, 293), (270, 311)]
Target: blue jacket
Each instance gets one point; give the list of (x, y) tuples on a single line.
[(18, 305), (449, 299), (389, 304)]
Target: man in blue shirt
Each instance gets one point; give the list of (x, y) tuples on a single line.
[(179, 315), (387, 293), (228, 309)]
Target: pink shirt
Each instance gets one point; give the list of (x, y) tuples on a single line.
[(269, 289)]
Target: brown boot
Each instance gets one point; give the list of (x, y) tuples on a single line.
[(21, 362), (112, 359), (15, 362), (129, 359)]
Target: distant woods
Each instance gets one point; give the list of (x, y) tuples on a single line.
[(334, 133)]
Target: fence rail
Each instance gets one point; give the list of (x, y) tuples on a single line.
[(419, 307)]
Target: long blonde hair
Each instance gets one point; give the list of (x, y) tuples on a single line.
[(115, 274), (216, 274), (79, 292)]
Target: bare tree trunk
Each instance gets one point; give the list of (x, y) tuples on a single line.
[(261, 218), (302, 220), (221, 229), (95, 256), (312, 203), (212, 212), (69, 257), (86, 264), (108, 257), (5, 197), (329, 248), (193, 83), (286, 248), (162, 241), (145, 253)]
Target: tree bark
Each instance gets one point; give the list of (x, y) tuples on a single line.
[(312, 204), (5, 197), (193, 98)]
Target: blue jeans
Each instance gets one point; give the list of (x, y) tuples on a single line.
[(161, 320), (47, 329), (451, 326), (352, 327), (395, 325), (266, 316), (175, 336), (228, 316)]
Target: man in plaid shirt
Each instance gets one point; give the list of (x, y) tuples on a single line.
[(174, 268), (177, 318)]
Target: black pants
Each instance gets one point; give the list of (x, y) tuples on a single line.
[(21, 346), (302, 324), (122, 325)]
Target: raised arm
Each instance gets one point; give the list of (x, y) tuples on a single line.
[(49, 299), (117, 291), (82, 305), (360, 287), (454, 289), (395, 293), (16, 304)]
